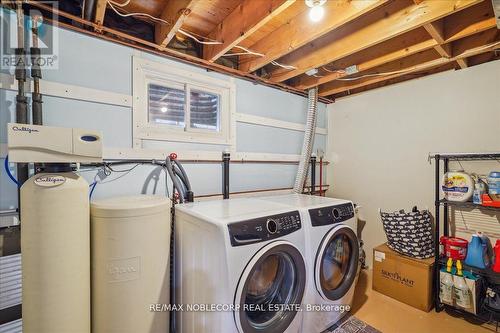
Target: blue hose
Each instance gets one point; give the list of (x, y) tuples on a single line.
[(6, 165), (93, 185)]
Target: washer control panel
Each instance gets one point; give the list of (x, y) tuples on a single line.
[(263, 228), (331, 215)]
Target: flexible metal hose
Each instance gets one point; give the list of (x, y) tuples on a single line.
[(312, 107)]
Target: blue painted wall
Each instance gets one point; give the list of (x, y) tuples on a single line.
[(89, 62)]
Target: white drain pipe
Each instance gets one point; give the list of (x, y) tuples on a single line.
[(307, 146)]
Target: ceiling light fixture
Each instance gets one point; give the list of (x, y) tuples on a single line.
[(317, 11), (163, 109)]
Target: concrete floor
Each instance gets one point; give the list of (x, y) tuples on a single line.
[(390, 316)]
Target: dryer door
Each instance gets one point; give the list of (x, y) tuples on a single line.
[(271, 288), (336, 262)]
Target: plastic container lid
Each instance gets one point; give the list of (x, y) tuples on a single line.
[(130, 206)]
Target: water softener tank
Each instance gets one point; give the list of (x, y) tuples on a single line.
[(130, 264), (55, 250)]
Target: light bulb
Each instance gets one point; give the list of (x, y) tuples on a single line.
[(316, 13), (163, 109)]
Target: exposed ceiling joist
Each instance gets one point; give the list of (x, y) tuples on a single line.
[(459, 27), (248, 17), (299, 31), (463, 49), (462, 63), (100, 11), (308, 81), (386, 24), (175, 12), (356, 38), (436, 31)]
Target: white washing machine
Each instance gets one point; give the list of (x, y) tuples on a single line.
[(332, 257), (244, 260)]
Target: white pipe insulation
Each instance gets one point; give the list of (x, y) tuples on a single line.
[(307, 146)]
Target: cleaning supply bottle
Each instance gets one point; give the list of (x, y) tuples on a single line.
[(479, 190), (487, 249), (494, 185), (496, 266), (446, 284), (461, 290), (477, 252)]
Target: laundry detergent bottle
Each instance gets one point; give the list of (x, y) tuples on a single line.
[(446, 284), (477, 252), (461, 290)]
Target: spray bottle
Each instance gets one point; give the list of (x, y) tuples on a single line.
[(446, 283), (461, 290)]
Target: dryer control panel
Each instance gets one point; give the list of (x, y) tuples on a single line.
[(263, 228), (331, 215)]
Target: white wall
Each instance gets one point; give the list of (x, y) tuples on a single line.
[(379, 140), (97, 64)]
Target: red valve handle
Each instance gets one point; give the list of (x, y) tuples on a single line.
[(173, 156)]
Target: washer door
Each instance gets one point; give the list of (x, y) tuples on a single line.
[(336, 263), (270, 289)]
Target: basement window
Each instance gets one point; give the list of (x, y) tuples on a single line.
[(175, 105)]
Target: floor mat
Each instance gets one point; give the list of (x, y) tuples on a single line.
[(351, 324)]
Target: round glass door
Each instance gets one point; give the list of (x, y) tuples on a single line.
[(271, 289), (337, 263)]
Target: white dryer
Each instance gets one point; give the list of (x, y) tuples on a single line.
[(243, 261), (332, 257)]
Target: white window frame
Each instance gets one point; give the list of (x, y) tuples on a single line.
[(146, 72)]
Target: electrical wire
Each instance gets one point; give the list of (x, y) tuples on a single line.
[(246, 52), (412, 69), (135, 14), (340, 71), (125, 172), (289, 67), (123, 4), (190, 35)]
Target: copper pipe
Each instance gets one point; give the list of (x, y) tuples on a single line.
[(249, 192)]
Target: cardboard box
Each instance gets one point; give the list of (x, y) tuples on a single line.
[(403, 278)]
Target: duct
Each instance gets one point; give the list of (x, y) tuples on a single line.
[(312, 107)]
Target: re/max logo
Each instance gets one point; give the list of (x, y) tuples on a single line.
[(24, 129)]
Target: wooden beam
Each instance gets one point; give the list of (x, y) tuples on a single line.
[(436, 30), (306, 82), (335, 88), (100, 12), (475, 23), (400, 79), (444, 50), (477, 18), (395, 20), (175, 12), (462, 63), (248, 17), (300, 30)]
